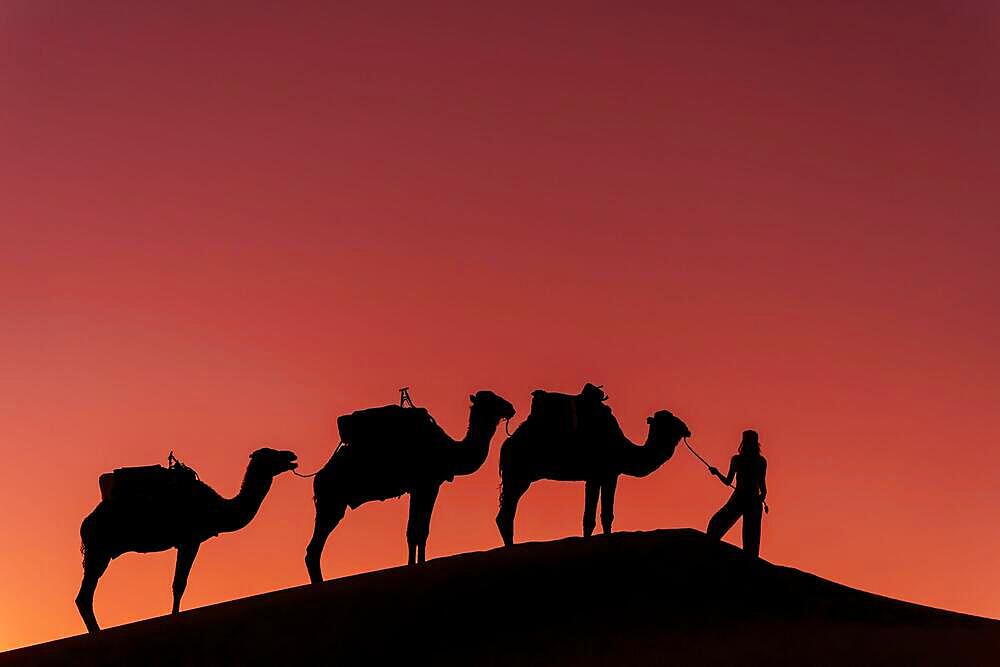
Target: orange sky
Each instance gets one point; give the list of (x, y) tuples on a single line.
[(220, 230)]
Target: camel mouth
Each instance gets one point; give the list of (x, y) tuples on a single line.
[(507, 410)]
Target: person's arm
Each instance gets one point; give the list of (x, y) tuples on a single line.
[(728, 479), (763, 478)]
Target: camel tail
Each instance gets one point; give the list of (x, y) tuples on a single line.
[(504, 466), (87, 534), (511, 449), (83, 548), (504, 460), (500, 483)]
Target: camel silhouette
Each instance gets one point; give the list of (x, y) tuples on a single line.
[(155, 508), (577, 438), (391, 451)]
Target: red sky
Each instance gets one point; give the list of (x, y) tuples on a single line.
[(221, 228)]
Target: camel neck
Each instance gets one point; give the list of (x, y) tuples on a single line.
[(481, 428), (470, 453), (639, 461), (242, 508)]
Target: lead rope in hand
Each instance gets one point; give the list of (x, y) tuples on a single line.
[(696, 454), (708, 465)]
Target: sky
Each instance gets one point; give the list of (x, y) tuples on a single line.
[(221, 228)]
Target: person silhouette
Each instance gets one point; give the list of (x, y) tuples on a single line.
[(749, 468)]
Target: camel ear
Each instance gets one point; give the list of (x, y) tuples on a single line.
[(472, 397), (649, 420)]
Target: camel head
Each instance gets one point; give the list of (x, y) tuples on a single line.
[(664, 425), (272, 462), (492, 405)]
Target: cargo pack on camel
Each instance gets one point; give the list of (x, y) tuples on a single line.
[(153, 481), (381, 431)]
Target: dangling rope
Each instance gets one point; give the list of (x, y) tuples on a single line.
[(710, 466), (313, 474)]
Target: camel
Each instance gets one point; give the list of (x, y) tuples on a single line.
[(155, 508), (390, 451), (577, 438)]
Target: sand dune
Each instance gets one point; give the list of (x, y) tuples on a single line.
[(663, 597)]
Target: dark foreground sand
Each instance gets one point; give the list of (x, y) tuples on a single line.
[(665, 597)]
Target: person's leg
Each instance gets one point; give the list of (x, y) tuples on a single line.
[(751, 529), (724, 519)]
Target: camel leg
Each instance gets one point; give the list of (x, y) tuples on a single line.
[(94, 566), (510, 493), (185, 559), (327, 518), (419, 524), (426, 531), (411, 529), (608, 504), (590, 507)]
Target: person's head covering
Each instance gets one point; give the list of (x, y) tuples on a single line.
[(751, 438)]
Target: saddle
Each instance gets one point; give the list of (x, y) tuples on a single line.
[(568, 410)]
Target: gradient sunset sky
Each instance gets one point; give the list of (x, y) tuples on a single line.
[(222, 227)]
